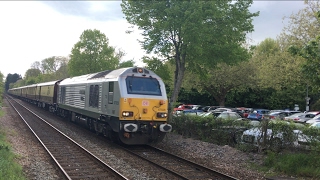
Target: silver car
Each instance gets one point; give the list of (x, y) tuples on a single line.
[(300, 117)]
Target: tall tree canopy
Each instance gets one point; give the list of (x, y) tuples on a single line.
[(11, 78), (93, 54), (192, 33), (303, 26)]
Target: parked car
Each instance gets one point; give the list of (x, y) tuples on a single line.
[(302, 118), (276, 141), (297, 117), (314, 119), (243, 111), (258, 114), (184, 112), (198, 108), (306, 141), (228, 115), (211, 114), (281, 114), (222, 109)]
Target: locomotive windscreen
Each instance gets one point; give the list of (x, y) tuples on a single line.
[(143, 85)]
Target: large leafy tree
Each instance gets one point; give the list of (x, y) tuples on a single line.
[(32, 73), (302, 27), (192, 33), (11, 78), (225, 78), (92, 53)]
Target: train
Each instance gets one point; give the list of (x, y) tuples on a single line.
[(127, 105)]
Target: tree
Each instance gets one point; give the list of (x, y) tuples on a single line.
[(302, 27), (32, 73), (93, 54), (36, 65), (226, 78), (191, 33), (11, 78), (124, 64), (157, 66)]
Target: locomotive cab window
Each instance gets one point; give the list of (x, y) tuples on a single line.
[(143, 85)]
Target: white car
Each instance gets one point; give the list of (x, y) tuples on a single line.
[(313, 120), (307, 140), (276, 141)]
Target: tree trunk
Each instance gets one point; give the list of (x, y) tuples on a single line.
[(178, 77)]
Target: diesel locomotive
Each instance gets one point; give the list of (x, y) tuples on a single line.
[(128, 105)]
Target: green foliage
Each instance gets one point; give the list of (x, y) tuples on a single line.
[(218, 131), (32, 73), (11, 78), (1, 88), (224, 78), (158, 66), (92, 53), (9, 169), (192, 33), (124, 64), (296, 164)]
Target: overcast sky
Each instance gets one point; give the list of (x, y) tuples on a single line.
[(34, 30)]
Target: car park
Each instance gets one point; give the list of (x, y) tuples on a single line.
[(302, 117)]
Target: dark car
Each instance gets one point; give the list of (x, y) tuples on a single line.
[(258, 114)]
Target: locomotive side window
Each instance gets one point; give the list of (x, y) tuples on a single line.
[(94, 96), (110, 92), (143, 85)]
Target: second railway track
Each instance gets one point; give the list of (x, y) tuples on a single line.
[(181, 167), (74, 161)]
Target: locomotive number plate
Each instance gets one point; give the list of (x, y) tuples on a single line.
[(145, 103)]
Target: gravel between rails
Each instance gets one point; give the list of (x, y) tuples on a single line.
[(37, 164)]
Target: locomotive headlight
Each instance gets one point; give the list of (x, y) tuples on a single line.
[(127, 114), (162, 115)]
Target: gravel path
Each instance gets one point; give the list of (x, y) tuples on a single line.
[(38, 165)]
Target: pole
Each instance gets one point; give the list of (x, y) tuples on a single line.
[(307, 100)]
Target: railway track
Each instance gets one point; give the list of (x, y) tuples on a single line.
[(178, 166), (74, 161)]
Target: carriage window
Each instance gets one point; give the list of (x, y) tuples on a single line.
[(94, 96), (143, 85), (110, 92)]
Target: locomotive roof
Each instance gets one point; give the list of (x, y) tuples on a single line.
[(48, 83), (101, 76)]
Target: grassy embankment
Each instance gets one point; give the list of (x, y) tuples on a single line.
[(9, 168)]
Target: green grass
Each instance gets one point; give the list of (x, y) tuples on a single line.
[(9, 168), (295, 164)]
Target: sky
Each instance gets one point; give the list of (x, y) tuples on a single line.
[(31, 31)]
